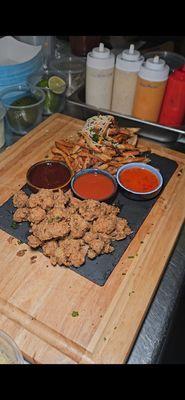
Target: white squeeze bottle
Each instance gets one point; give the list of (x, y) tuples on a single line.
[(128, 64), (99, 77)]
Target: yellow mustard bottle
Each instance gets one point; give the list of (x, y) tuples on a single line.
[(150, 89)]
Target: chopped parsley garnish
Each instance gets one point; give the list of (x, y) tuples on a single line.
[(14, 224), (130, 256), (95, 137), (75, 314), (57, 218)]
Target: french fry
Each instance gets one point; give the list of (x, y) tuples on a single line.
[(91, 143), (133, 130), (118, 139), (63, 143), (75, 149), (103, 157), (63, 148), (131, 153), (115, 163), (112, 170), (56, 151), (58, 158), (125, 146), (136, 159), (67, 159), (103, 166)]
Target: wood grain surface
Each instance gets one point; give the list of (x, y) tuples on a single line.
[(37, 300)]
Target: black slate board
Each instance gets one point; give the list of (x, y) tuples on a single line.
[(135, 212)]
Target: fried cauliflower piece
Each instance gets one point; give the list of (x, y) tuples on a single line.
[(122, 229), (91, 254), (21, 214), (36, 215), (108, 248), (107, 209), (71, 252), (20, 199), (47, 231), (105, 224), (43, 199), (60, 199), (75, 203), (58, 214), (78, 226), (49, 248), (98, 244), (90, 209), (34, 242)]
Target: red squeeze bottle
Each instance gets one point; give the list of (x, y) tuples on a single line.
[(173, 106)]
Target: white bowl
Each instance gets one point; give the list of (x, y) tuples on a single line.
[(140, 195)]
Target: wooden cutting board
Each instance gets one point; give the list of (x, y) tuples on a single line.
[(37, 300)]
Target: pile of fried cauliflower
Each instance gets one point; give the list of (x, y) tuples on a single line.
[(68, 229)]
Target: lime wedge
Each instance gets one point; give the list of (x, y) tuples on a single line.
[(56, 84)]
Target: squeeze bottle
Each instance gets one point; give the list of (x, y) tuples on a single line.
[(173, 107), (128, 64), (150, 89), (99, 77)]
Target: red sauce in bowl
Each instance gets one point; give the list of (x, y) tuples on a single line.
[(94, 186), (49, 175), (138, 180)]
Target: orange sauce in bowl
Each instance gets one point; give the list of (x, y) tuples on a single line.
[(138, 179), (94, 186)]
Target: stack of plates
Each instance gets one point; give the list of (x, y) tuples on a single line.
[(17, 61)]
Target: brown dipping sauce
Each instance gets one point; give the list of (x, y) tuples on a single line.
[(49, 175)]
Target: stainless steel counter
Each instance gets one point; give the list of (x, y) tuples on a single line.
[(153, 331)]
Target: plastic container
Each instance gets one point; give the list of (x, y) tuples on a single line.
[(73, 68), (128, 64), (99, 77), (54, 102), (9, 352), (150, 89), (24, 107), (2, 129), (173, 107)]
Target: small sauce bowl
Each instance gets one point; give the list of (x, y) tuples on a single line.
[(48, 174), (94, 184), (140, 194)]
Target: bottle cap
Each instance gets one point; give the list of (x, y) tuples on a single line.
[(154, 69), (155, 63), (129, 60), (100, 58)]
